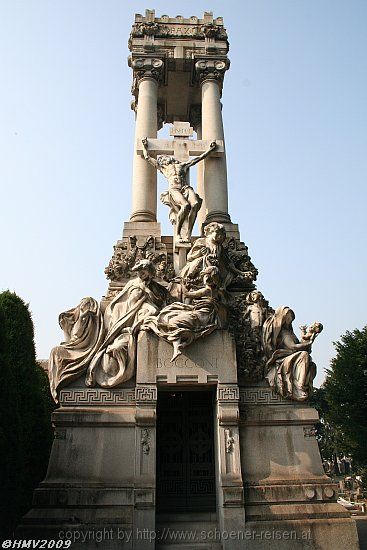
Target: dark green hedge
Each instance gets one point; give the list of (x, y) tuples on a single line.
[(25, 413)]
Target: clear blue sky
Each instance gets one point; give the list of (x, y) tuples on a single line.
[(295, 121)]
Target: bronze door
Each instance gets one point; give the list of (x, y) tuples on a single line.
[(185, 451)]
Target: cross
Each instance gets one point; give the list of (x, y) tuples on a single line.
[(181, 148)]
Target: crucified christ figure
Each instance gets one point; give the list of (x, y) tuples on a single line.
[(184, 203)]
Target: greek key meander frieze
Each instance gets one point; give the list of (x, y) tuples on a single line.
[(95, 397), (228, 394), (146, 394), (254, 396)]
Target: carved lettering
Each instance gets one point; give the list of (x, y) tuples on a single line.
[(186, 363)]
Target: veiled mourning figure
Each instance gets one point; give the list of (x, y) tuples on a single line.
[(289, 368), (83, 330), (181, 323), (209, 251), (114, 361)]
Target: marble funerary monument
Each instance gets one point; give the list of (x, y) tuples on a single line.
[(182, 394)]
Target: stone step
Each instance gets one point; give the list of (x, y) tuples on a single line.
[(187, 531), (185, 516), (187, 526)]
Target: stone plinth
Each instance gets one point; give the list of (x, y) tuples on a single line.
[(286, 489), (90, 483)]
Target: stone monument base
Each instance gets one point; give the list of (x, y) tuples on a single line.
[(89, 489), (290, 503), (270, 490)]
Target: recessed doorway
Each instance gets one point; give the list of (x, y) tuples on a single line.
[(185, 452)]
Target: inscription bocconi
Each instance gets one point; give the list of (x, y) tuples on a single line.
[(186, 363)]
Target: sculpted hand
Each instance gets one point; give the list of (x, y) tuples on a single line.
[(184, 288)]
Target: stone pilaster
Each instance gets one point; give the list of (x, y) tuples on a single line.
[(229, 477), (145, 445)]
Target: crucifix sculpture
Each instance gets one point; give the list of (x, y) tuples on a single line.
[(183, 201)]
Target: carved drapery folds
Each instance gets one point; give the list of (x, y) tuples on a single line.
[(289, 368), (103, 347), (215, 250), (267, 348), (200, 315), (84, 331), (214, 290)]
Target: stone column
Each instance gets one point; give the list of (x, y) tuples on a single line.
[(211, 74), (195, 119), (147, 75)]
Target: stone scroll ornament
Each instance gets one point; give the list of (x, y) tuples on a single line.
[(103, 347), (183, 201), (289, 368)]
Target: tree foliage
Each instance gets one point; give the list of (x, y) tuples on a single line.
[(346, 393), (342, 401), (25, 412)]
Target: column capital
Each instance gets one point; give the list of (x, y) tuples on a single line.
[(211, 69), (146, 67)]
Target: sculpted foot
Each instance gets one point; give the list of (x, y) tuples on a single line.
[(176, 354)]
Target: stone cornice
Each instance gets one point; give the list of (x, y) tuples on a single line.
[(177, 27)]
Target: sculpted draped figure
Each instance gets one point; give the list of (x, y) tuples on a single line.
[(184, 203), (182, 323), (83, 331), (209, 251), (114, 361), (104, 347), (289, 368)]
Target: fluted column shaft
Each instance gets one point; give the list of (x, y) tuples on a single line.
[(144, 192)]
